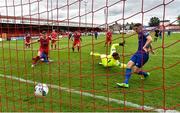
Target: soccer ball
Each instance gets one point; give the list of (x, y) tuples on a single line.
[(41, 89)]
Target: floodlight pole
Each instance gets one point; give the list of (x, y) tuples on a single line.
[(52, 17), (85, 5), (105, 17)]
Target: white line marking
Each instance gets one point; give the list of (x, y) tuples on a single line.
[(91, 95)]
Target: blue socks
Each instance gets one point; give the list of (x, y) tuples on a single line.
[(128, 75), (143, 73)]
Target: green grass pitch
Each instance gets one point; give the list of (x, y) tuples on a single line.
[(81, 72)]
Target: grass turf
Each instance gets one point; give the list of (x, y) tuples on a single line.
[(81, 72)]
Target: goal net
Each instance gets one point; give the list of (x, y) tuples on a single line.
[(64, 77)]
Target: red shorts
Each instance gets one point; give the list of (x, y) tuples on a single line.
[(76, 43), (108, 40), (46, 51), (27, 41)]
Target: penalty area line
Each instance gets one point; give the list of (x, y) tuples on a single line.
[(117, 101)]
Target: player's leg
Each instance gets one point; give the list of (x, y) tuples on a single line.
[(140, 72), (123, 65), (29, 45), (72, 39), (95, 54), (99, 55), (36, 59), (78, 46), (47, 60), (141, 60), (74, 45), (26, 45), (110, 42), (52, 44), (128, 73), (95, 37), (104, 60), (55, 45), (160, 36), (44, 56), (105, 44), (156, 39)]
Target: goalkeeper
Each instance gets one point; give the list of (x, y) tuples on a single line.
[(112, 59)]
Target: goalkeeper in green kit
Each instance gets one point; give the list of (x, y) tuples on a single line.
[(112, 59)]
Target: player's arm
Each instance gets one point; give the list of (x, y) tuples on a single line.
[(120, 65), (57, 39), (113, 48), (122, 43), (50, 36), (151, 49), (148, 43), (33, 42)]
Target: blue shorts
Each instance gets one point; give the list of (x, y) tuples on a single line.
[(140, 59)]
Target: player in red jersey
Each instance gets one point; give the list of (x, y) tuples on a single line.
[(108, 38), (27, 40), (43, 49), (54, 36), (77, 40)]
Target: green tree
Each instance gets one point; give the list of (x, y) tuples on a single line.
[(178, 18), (131, 26), (154, 21)]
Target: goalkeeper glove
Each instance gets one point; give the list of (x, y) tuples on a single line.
[(122, 43)]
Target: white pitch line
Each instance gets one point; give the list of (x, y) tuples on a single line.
[(91, 95)]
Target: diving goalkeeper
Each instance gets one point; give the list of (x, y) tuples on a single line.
[(112, 59)]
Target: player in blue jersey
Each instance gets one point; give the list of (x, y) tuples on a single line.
[(96, 35), (140, 57)]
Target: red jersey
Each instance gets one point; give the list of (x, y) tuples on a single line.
[(109, 35), (54, 35), (44, 44), (27, 39), (77, 37)]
